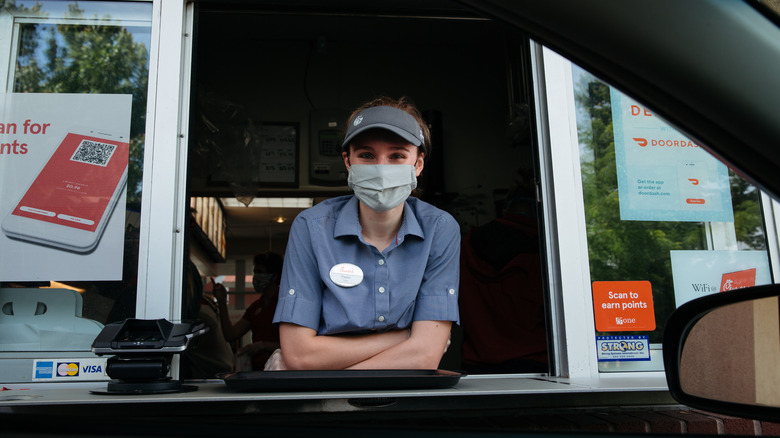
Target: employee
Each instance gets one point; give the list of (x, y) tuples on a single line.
[(258, 316), (370, 280)]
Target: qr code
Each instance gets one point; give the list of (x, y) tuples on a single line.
[(92, 152)]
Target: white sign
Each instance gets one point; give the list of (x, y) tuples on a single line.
[(663, 175), (700, 273), (63, 172), (69, 370)]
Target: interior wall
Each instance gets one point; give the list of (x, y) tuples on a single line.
[(254, 67), (278, 68)]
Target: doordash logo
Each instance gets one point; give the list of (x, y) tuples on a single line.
[(672, 143), (637, 110)]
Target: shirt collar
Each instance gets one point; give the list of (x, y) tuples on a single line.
[(347, 219), (410, 225), (347, 223)]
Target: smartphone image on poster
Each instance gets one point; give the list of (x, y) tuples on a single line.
[(695, 190), (71, 199)]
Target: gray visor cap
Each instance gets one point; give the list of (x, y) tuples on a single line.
[(385, 117)]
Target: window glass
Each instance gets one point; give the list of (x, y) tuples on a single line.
[(666, 223), (71, 157), (265, 144)]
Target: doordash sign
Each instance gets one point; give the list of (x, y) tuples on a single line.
[(663, 175), (623, 306)]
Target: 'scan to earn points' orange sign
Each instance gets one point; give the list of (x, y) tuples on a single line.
[(623, 306)]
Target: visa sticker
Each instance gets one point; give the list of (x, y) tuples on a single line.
[(89, 369), (346, 275)]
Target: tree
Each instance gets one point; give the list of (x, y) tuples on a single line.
[(620, 250)]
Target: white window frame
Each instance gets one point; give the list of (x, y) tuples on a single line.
[(564, 214), (156, 297), (572, 312), (164, 207)]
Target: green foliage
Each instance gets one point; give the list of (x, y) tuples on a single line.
[(621, 250)]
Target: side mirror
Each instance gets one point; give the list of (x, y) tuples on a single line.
[(722, 353)]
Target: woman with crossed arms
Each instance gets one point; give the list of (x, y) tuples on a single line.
[(370, 280)]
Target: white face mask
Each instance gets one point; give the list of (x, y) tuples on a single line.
[(382, 186)]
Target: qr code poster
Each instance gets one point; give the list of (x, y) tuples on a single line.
[(63, 175), (94, 152)]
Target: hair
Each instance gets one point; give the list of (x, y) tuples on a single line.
[(272, 261), (403, 104)]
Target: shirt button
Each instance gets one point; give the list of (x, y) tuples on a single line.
[(292, 291), (381, 318), (381, 290), (451, 291), (381, 262)]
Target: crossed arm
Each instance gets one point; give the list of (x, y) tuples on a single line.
[(420, 348)]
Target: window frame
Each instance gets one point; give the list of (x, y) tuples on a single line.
[(161, 253), (162, 237), (20, 363), (570, 271)]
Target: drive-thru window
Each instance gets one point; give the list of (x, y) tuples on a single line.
[(141, 142)]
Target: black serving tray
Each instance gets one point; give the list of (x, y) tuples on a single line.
[(335, 380)]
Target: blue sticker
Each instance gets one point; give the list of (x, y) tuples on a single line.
[(44, 370), (662, 175)]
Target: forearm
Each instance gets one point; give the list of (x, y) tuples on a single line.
[(303, 349), (267, 346), (231, 331), (422, 350), (258, 347), (224, 321)]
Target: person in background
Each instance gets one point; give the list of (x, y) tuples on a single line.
[(370, 280), (209, 355), (502, 292), (259, 315)]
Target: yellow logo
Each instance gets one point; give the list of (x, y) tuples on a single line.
[(65, 369)]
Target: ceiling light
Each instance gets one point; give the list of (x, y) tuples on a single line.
[(270, 202)]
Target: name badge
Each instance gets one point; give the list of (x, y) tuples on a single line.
[(346, 275)]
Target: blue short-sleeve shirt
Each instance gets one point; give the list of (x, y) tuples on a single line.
[(413, 279)]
